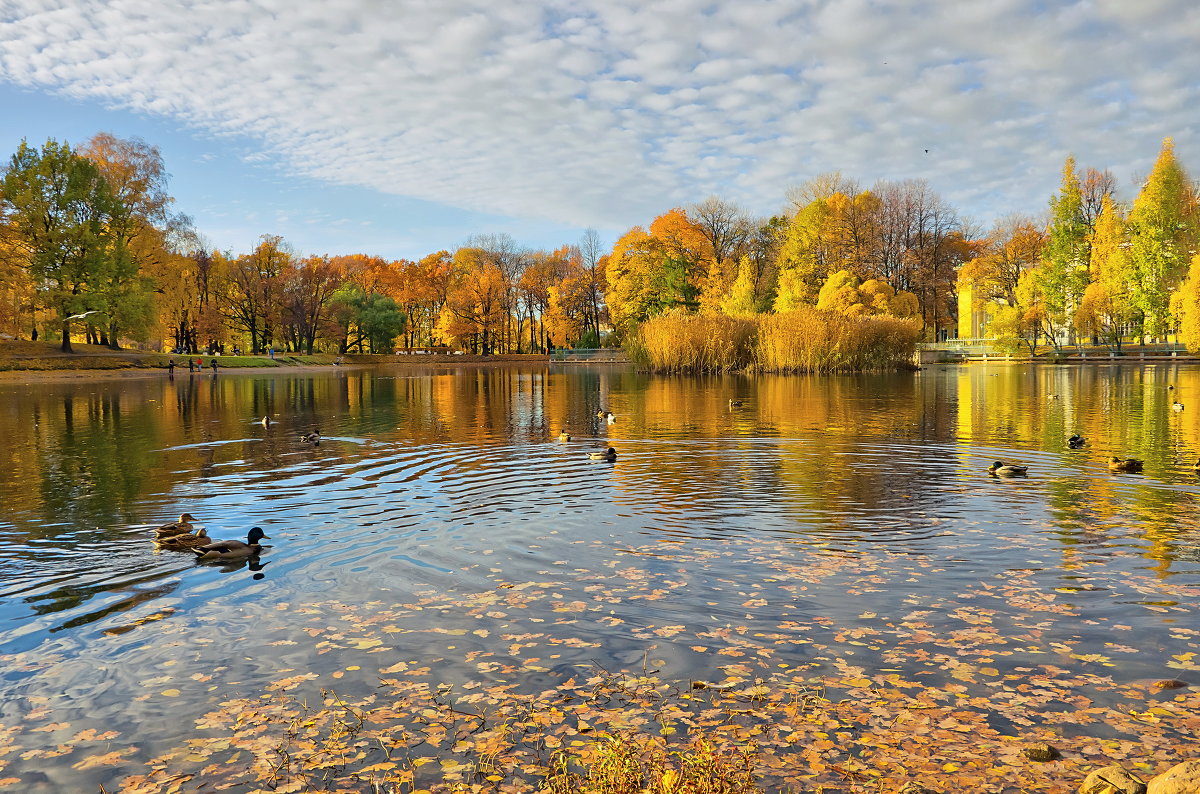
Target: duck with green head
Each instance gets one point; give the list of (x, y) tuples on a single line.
[(233, 549), (609, 455), (999, 469)]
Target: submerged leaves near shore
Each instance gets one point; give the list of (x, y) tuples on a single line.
[(953, 689)]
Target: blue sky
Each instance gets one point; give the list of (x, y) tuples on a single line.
[(402, 128)]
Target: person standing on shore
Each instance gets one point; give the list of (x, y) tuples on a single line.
[(171, 368), (214, 366), (191, 365)]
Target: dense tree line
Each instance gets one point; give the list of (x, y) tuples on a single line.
[(89, 245), (893, 249), (1094, 267)]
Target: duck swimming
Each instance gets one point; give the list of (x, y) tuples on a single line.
[(999, 469), (1076, 441), (183, 525), (266, 421), (233, 549), (609, 454), (1176, 406), (735, 403), (1127, 464), (313, 438), (564, 436), (185, 541)]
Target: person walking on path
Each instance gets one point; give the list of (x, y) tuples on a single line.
[(214, 366), (191, 365), (171, 368)]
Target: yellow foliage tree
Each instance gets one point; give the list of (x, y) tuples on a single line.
[(1186, 306), (845, 294)]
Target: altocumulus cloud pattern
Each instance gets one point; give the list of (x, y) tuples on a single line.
[(607, 113)]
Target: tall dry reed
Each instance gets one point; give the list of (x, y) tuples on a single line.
[(682, 342), (813, 340), (803, 340)]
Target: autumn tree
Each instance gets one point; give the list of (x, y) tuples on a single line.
[(307, 293), (253, 291), (1062, 276), (476, 301), (1013, 246), (593, 258), (142, 233), (1186, 305), (1107, 306), (1162, 237), (846, 294), (58, 206), (650, 271)]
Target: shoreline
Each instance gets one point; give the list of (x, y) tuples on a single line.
[(45, 375)]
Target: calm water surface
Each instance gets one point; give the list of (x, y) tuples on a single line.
[(438, 484)]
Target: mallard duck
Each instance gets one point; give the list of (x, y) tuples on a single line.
[(313, 438), (999, 469), (1127, 464), (564, 436), (609, 454), (1076, 441), (184, 524), (266, 421), (1176, 406), (735, 403), (233, 549), (184, 541)]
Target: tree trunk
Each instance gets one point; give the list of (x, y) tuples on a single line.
[(66, 336)]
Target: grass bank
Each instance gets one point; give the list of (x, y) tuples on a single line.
[(804, 340), (24, 356)]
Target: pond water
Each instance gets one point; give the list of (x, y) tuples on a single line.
[(825, 513)]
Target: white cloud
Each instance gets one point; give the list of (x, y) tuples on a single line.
[(607, 112)]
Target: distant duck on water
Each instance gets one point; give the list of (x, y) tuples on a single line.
[(1124, 464), (1076, 441), (1176, 406), (735, 403), (313, 438), (609, 454), (564, 436)]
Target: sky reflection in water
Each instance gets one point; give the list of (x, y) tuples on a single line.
[(442, 484)]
